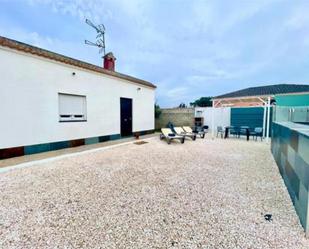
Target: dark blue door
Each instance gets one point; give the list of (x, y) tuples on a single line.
[(126, 116)]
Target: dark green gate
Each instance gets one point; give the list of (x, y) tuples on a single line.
[(249, 116)]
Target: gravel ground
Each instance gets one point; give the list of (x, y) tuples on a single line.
[(201, 194)]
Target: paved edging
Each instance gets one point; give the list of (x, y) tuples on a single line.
[(55, 158)]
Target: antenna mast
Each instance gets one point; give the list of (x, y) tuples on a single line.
[(100, 42)]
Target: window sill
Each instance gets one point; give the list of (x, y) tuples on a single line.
[(70, 121)]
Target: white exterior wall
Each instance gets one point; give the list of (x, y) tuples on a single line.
[(222, 116), (29, 87)]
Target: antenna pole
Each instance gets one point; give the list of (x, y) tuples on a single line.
[(100, 42)]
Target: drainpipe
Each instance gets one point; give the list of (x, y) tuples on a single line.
[(264, 120), (213, 119), (268, 117)]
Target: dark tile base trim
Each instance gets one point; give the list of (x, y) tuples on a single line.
[(11, 152), (38, 148), (141, 133)]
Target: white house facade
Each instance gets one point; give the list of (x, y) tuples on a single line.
[(49, 101)]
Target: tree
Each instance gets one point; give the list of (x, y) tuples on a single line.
[(157, 111), (182, 105), (202, 102)]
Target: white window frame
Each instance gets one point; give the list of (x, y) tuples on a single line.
[(73, 117)]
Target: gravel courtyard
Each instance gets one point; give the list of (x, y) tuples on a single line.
[(201, 194)]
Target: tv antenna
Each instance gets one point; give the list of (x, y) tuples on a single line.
[(100, 42)]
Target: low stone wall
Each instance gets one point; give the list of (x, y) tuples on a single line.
[(178, 116), (290, 147)]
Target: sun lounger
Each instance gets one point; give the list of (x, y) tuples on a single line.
[(169, 135), (180, 131), (189, 130)]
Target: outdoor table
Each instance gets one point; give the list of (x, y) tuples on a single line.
[(227, 128)]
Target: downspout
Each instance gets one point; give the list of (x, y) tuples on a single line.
[(213, 119), (264, 116), (264, 120), (268, 119)]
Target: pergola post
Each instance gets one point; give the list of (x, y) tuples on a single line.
[(268, 119), (213, 119), (264, 120)]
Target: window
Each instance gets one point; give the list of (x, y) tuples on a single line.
[(72, 108)]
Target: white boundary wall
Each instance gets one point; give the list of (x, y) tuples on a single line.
[(222, 116)]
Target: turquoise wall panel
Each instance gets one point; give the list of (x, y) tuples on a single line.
[(38, 148), (303, 147), (292, 100), (290, 150), (114, 137), (59, 145), (91, 140)]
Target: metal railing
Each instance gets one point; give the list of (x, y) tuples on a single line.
[(291, 114)]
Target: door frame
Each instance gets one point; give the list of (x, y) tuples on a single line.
[(131, 132)]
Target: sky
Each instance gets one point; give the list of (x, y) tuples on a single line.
[(188, 49)]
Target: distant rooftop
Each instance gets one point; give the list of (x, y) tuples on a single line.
[(266, 90)]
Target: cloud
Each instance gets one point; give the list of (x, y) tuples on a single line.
[(188, 49), (77, 8), (299, 17), (176, 95), (68, 48), (32, 38), (194, 80)]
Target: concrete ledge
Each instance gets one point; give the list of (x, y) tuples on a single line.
[(58, 157), (51, 155), (288, 144), (6, 153)]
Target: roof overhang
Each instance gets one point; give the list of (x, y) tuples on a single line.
[(245, 101), (32, 50)]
